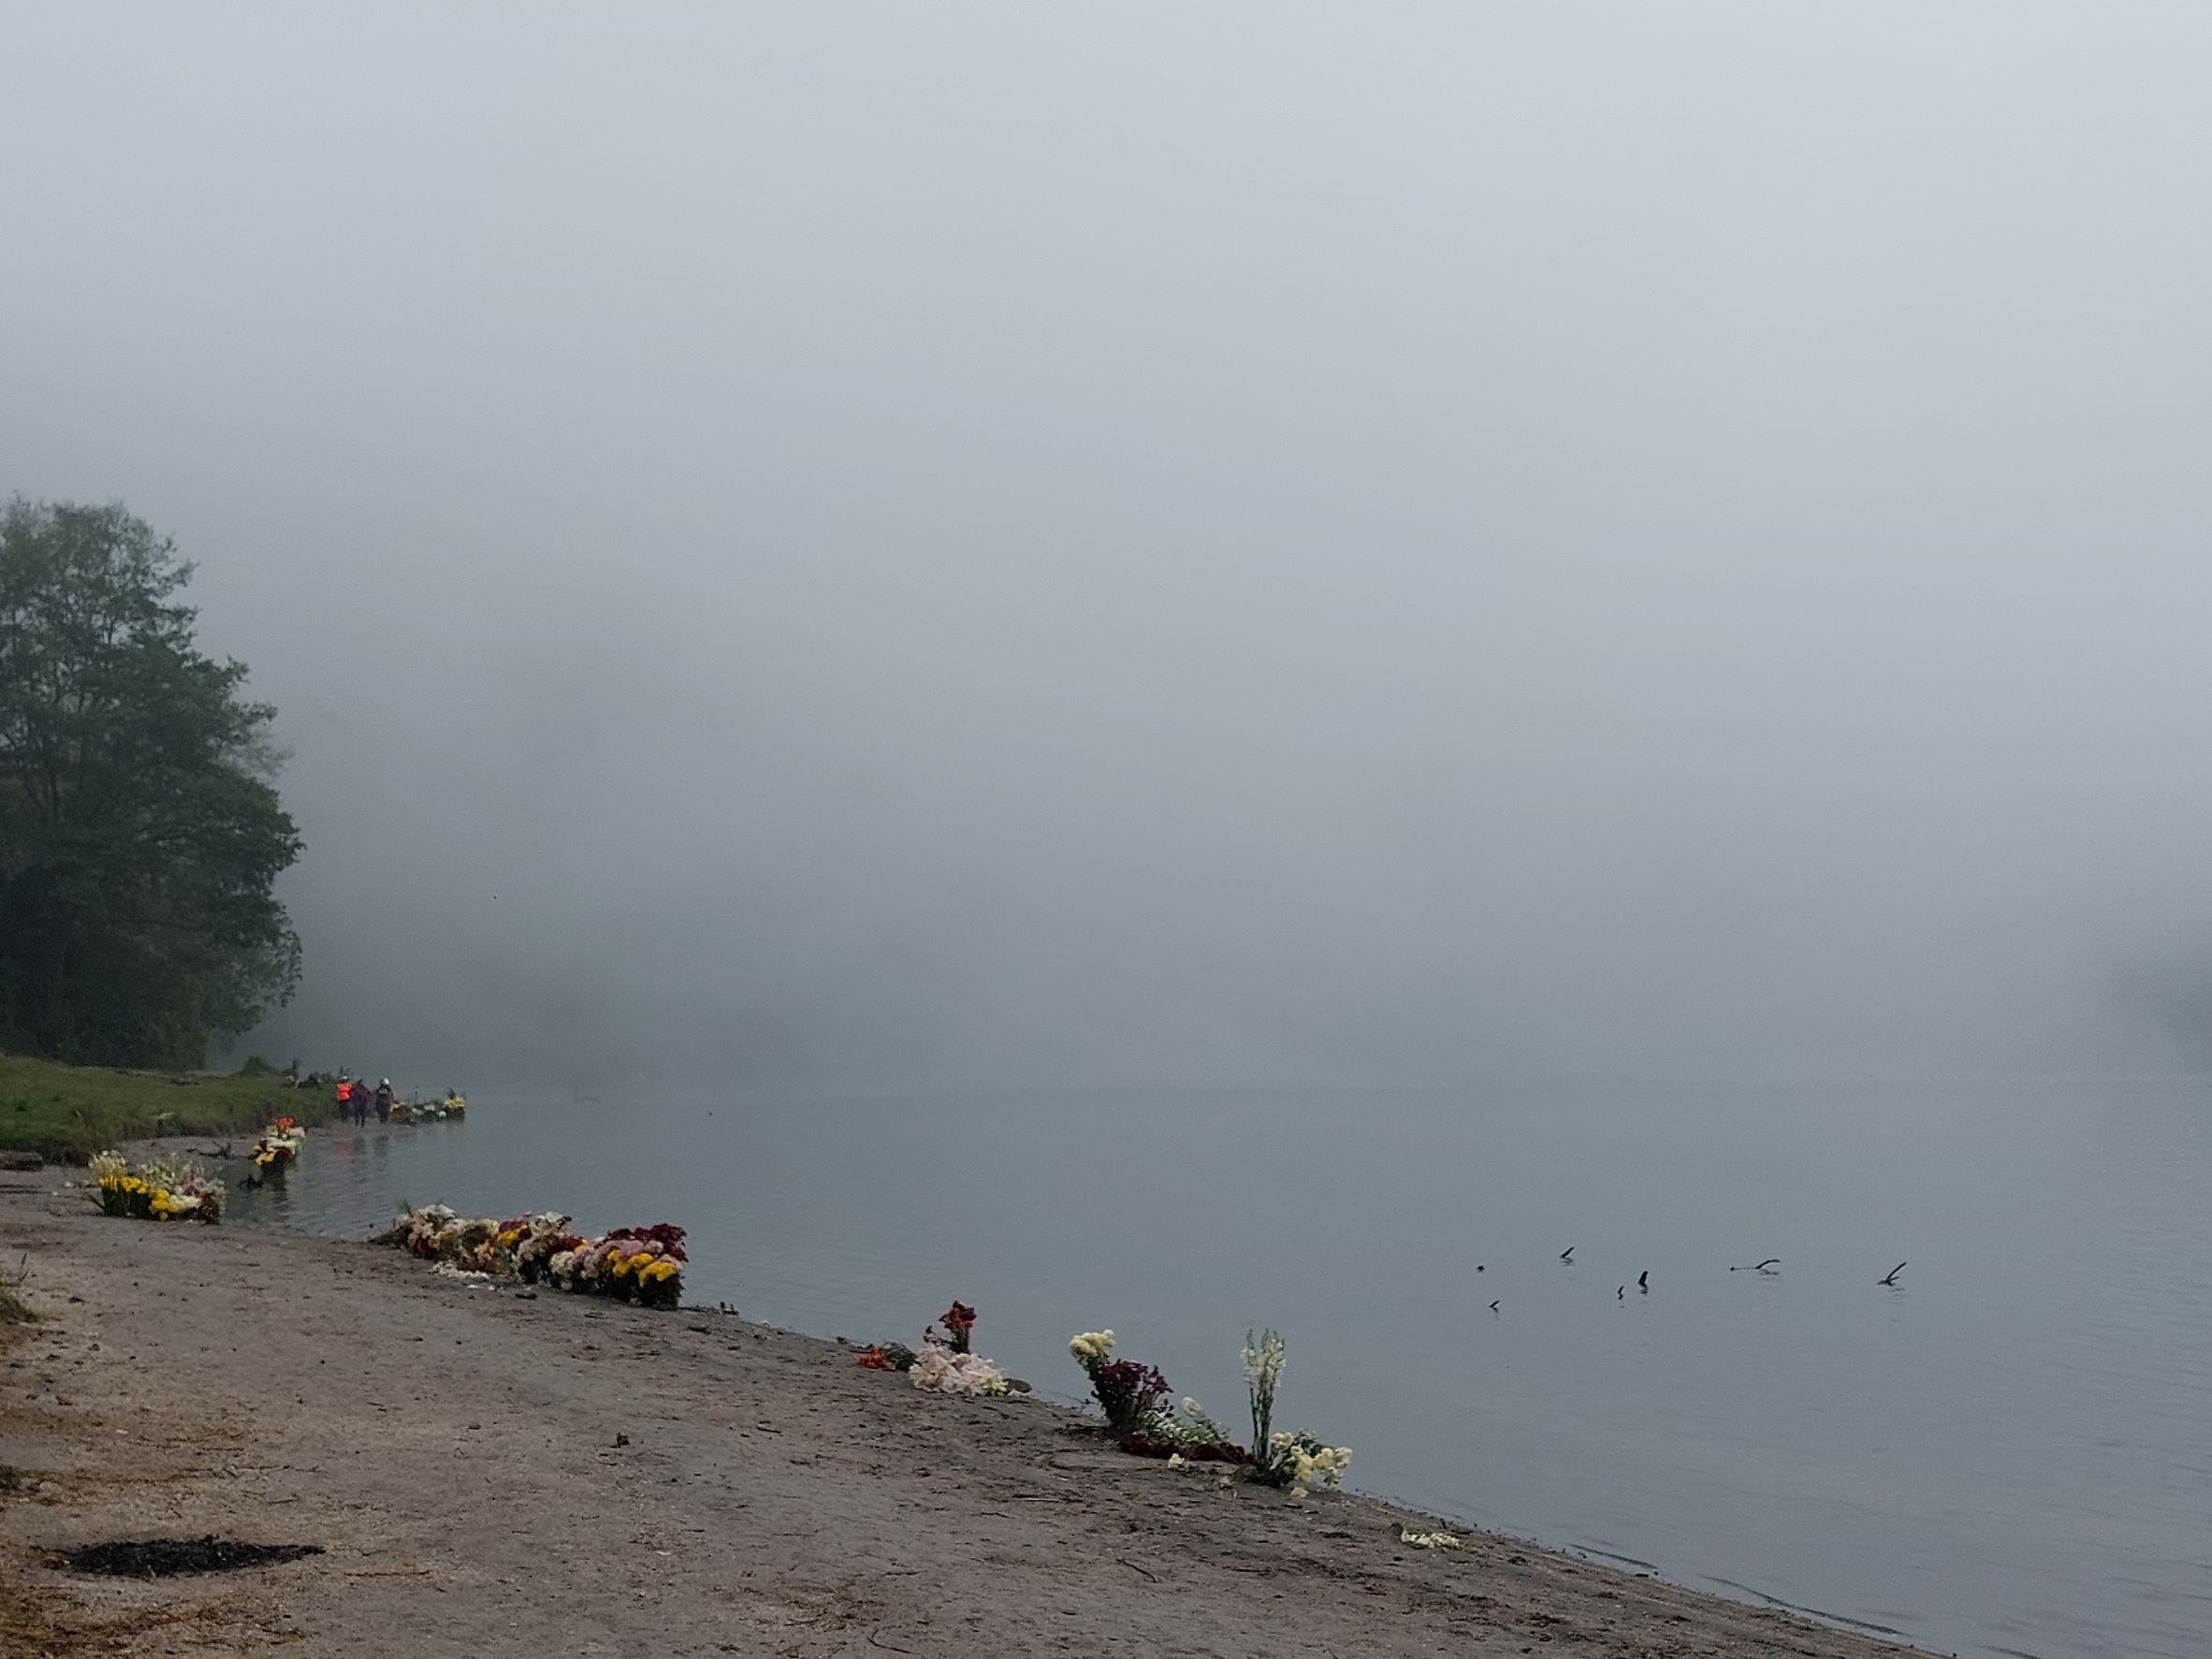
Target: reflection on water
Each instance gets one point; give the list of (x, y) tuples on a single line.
[(2009, 1452)]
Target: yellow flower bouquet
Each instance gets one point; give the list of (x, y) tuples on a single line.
[(277, 1148), (157, 1191)]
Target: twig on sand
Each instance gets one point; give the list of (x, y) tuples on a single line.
[(876, 1642), (1140, 1572), (14, 1310)]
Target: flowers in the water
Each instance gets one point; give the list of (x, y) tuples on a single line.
[(278, 1147)]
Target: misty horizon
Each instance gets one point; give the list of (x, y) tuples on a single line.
[(1015, 550)]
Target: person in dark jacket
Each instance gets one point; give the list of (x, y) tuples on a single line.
[(383, 1101)]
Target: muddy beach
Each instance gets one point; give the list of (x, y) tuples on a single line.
[(489, 1472)]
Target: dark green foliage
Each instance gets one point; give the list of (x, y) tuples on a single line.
[(140, 838)]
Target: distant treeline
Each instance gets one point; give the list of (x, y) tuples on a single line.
[(140, 836)]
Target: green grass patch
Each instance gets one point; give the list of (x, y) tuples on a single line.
[(68, 1112)]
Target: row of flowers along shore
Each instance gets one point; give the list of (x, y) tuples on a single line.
[(640, 1264), (645, 1264)]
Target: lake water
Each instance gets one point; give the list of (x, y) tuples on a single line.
[(2008, 1453)]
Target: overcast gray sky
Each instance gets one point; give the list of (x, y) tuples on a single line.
[(895, 545)]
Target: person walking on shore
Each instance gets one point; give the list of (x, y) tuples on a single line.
[(383, 1101), (343, 1093)]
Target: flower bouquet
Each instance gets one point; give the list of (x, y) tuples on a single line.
[(278, 1149), (1186, 1434), (943, 1365), (1134, 1397), (959, 1320), (1299, 1462), (437, 1232), (413, 1229), (1156, 1446), (157, 1191), (1129, 1394), (943, 1371), (535, 1240), (644, 1265)]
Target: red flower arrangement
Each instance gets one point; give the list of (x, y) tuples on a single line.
[(959, 1320)]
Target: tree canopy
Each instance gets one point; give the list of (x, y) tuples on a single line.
[(140, 833)]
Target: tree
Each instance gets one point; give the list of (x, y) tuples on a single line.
[(140, 835)]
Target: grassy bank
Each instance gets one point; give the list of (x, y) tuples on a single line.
[(68, 1113)]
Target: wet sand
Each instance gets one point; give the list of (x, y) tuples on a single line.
[(493, 1474)]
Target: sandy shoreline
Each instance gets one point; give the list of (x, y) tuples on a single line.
[(492, 1474)]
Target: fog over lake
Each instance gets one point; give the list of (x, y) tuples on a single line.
[(1191, 545), (1630, 555)]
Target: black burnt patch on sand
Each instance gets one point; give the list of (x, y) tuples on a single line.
[(163, 1557)]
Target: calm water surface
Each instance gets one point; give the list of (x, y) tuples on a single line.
[(2012, 1453)]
